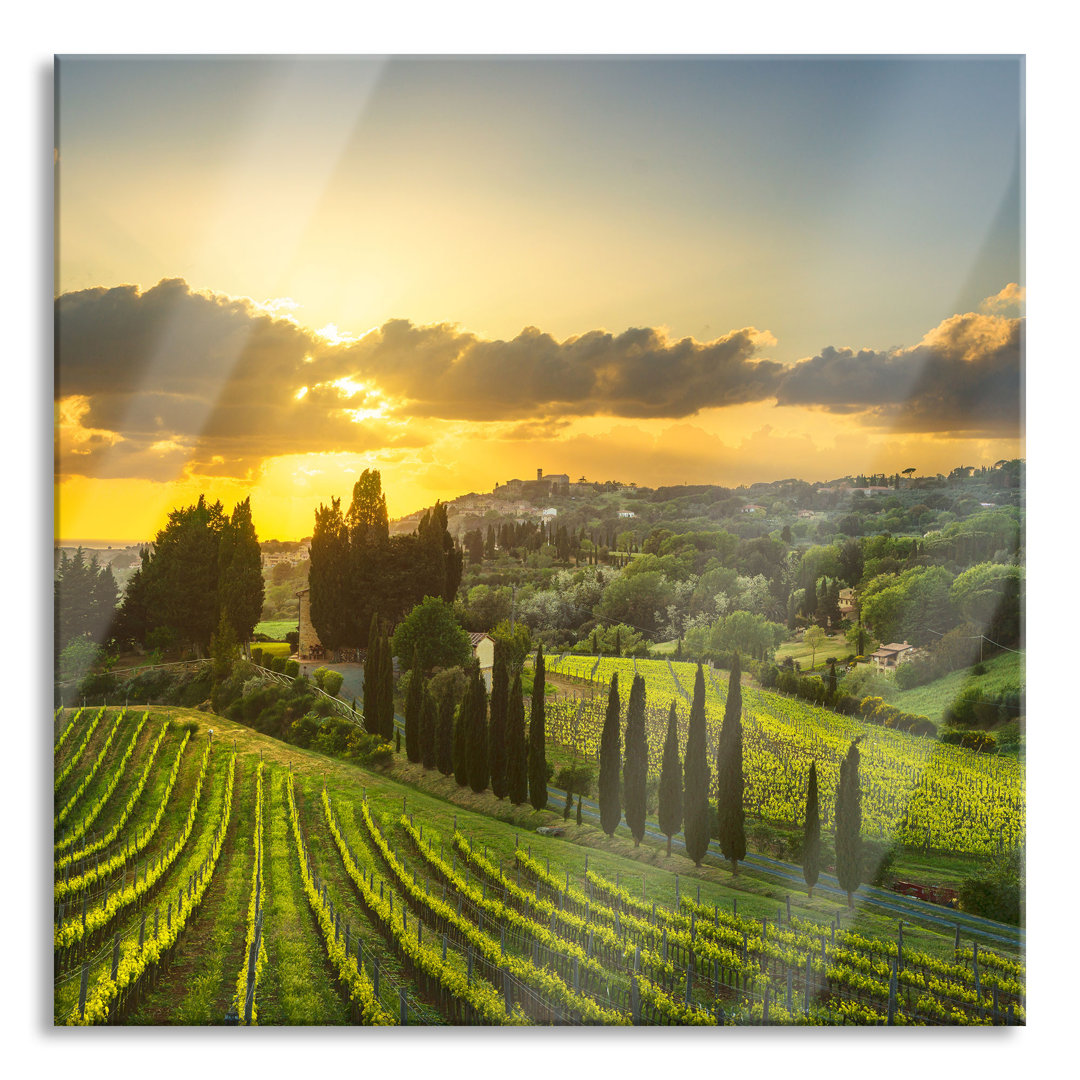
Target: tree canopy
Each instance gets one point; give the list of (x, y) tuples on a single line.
[(432, 635), (84, 599)]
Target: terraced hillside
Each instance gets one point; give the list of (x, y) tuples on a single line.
[(231, 878)]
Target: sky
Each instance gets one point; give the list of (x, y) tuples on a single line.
[(272, 273)]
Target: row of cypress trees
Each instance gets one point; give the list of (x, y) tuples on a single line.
[(684, 787), (482, 742)]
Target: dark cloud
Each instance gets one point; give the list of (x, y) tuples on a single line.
[(964, 377), (444, 372), (154, 382), (220, 378)]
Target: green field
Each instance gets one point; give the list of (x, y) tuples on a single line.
[(537, 929), (274, 648), (276, 629), (1006, 669), (835, 646)]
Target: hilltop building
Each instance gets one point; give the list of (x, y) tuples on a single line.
[(540, 488)]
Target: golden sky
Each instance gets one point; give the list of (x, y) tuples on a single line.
[(273, 274)]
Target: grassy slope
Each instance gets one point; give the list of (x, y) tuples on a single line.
[(495, 823), (836, 645), (297, 987), (931, 700)]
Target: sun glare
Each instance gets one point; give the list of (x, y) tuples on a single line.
[(330, 333)]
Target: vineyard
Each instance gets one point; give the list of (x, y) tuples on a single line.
[(917, 791), (204, 874)]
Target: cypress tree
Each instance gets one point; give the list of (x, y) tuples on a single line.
[(444, 742), (461, 737), (731, 826), (537, 738), (578, 818), (500, 692), (636, 765), (811, 849), (849, 824), (517, 776), (670, 809), (372, 682), (429, 725), (240, 582), (478, 736), (414, 703), (696, 776), (386, 688), (610, 753), (329, 577)]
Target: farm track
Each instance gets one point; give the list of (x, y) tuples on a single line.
[(199, 985), (297, 984)]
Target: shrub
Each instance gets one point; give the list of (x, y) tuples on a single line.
[(878, 857), (1010, 737), (869, 706), (769, 676), (981, 741), (975, 707), (846, 704), (996, 893), (864, 680), (292, 668), (98, 685), (257, 657), (908, 675), (293, 638), (577, 779), (332, 681)]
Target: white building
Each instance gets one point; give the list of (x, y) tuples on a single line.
[(483, 647)]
